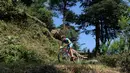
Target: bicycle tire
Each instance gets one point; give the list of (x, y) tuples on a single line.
[(63, 56)]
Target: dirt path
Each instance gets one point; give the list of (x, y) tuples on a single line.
[(86, 69)]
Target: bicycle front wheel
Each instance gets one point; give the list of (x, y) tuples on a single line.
[(63, 57)]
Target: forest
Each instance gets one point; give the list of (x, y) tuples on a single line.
[(30, 41)]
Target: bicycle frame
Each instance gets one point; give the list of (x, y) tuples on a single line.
[(66, 51), (65, 55)]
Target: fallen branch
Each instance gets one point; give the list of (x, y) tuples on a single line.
[(43, 24), (36, 19)]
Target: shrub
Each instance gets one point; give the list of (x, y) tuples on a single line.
[(9, 12), (109, 60), (125, 62), (11, 51), (117, 60)]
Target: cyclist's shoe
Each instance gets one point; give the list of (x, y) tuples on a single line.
[(73, 58)]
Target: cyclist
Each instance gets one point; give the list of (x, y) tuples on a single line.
[(69, 45)]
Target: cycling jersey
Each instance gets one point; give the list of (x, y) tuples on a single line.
[(67, 41)]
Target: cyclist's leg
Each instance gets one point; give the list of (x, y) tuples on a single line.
[(74, 51), (71, 51)]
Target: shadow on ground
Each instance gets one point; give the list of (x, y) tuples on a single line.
[(30, 69), (43, 69)]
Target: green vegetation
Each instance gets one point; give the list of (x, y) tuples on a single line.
[(117, 60), (25, 41), (100, 13), (13, 37), (63, 6), (27, 44)]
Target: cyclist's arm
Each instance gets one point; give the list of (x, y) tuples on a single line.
[(68, 40), (63, 44)]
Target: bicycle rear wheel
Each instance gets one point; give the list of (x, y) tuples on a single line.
[(76, 59)]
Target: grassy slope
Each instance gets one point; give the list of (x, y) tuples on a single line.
[(31, 36), (34, 37)]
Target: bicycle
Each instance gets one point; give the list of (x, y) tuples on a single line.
[(64, 55)]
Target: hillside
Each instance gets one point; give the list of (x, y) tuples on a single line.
[(32, 37), (35, 38), (29, 38)]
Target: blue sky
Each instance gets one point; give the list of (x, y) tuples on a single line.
[(88, 40), (127, 2)]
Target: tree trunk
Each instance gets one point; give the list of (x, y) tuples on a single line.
[(64, 14), (106, 32), (97, 50), (102, 31)]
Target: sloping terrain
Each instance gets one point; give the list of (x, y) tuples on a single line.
[(89, 68), (32, 36)]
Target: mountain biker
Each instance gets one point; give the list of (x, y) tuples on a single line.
[(69, 45)]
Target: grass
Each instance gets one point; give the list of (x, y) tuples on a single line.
[(86, 68), (31, 37)]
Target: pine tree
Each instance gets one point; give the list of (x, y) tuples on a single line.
[(63, 6), (104, 15)]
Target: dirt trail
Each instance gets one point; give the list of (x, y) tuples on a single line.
[(86, 69)]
